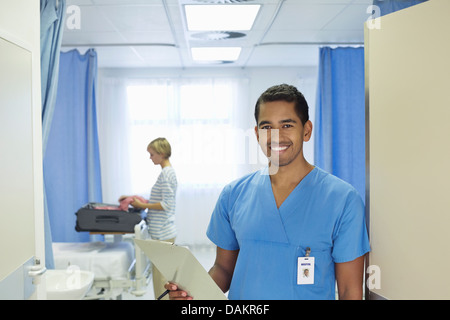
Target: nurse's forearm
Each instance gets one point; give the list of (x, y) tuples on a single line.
[(349, 277), (223, 268), (221, 277)]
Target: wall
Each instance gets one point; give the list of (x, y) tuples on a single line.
[(21, 164), (409, 154)]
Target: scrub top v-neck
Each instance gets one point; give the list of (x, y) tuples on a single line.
[(322, 213)]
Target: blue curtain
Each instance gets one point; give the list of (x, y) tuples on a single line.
[(52, 18), (389, 6), (340, 115), (71, 162)]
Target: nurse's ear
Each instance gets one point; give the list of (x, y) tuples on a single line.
[(307, 130), (257, 133)]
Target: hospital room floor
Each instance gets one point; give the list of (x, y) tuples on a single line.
[(204, 254)]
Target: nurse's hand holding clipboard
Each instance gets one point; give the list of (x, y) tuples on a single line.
[(175, 294)]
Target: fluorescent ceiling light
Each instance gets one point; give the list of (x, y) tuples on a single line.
[(221, 17), (216, 53)]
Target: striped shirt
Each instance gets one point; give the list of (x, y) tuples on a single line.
[(161, 223)]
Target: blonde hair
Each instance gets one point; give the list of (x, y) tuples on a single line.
[(161, 146)]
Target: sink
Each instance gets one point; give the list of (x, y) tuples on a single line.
[(69, 284)]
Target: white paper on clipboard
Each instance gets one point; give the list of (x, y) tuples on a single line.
[(178, 265)]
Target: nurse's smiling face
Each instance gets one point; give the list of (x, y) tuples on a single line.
[(280, 132)]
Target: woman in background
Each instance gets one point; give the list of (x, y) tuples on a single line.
[(161, 205)]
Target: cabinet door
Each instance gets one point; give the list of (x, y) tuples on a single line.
[(408, 110), (17, 212)]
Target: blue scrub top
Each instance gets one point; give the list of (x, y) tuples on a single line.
[(323, 213)]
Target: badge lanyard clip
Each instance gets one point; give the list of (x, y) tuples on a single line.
[(308, 252)]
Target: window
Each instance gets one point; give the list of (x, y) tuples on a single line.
[(205, 102), (148, 103), (196, 118)]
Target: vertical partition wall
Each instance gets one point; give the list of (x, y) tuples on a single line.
[(407, 57)]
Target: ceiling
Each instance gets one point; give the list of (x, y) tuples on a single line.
[(153, 33)]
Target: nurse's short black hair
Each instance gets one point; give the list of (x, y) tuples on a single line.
[(284, 92)]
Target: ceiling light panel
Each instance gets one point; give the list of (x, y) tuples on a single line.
[(217, 35), (223, 1), (221, 17)]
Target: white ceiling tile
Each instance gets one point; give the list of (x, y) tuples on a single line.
[(91, 19), (78, 2), (86, 37), (291, 36), (126, 2), (351, 18), (319, 1), (123, 22), (366, 2), (305, 16), (137, 17), (157, 36)]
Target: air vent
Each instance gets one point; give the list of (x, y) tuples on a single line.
[(223, 1), (218, 35)]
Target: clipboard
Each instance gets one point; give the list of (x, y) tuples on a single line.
[(178, 265)]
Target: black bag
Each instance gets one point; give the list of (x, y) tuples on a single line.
[(92, 218)]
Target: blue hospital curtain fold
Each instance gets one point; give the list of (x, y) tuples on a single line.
[(389, 6), (72, 162), (339, 146), (52, 26), (52, 17)]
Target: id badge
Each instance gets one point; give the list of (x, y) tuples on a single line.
[(305, 270)]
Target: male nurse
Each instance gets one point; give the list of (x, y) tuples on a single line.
[(290, 230)]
